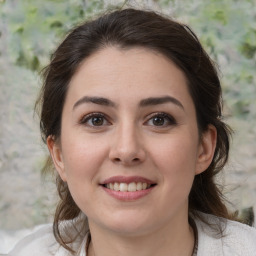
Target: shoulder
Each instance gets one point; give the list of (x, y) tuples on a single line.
[(43, 243), (40, 243), (239, 238), (236, 239)]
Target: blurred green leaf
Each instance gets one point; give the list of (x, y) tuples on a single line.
[(227, 29), (248, 46)]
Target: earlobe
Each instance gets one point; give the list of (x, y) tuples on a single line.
[(56, 154), (206, 149)]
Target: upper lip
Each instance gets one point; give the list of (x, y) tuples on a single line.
[(126, 179)]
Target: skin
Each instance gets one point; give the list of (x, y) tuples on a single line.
[(128, 141)]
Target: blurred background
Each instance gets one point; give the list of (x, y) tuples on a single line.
[(29, 32)]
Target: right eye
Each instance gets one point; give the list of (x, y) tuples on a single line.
[(94, 120)]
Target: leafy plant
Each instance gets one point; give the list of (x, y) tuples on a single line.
[(226, 29), (34, 29)]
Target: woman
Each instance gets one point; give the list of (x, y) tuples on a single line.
[(131, 113)]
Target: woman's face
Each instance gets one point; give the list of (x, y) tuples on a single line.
[(129, 124)]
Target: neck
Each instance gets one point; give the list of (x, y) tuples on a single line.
[(172, 239)]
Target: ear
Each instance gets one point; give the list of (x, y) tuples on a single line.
[(206, 149), (56, 154)]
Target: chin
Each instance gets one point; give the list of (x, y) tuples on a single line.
[(129, 230), (129, 224)]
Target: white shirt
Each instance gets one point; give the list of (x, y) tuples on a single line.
[(237, 240)]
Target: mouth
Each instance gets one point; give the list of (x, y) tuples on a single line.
[(127, 184), (128, 187)]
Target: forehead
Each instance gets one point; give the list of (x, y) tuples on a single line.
[(121, 73)]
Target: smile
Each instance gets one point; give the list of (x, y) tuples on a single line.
[(128, 187)]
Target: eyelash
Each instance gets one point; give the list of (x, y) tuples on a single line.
[(85, 119), (168, 119)]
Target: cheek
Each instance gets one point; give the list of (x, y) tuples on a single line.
[(176, 160), (176, 164), (83, 157), (82, 163), (176, 149)]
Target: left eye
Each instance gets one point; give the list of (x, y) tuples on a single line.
[(161, 119), (94, 120)]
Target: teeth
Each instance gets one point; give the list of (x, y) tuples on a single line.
[(116, 186), (131, 187), (139, 186), (123, 187)]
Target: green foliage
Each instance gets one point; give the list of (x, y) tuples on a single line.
[(35, 27), (248, 46), (227, 29)]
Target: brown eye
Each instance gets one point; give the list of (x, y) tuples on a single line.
[(97, 121), (94, 120), (158, 121), (161, 120)]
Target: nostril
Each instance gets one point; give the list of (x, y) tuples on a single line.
[(126, 161)]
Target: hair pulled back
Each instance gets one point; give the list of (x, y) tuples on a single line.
[(136, 28)]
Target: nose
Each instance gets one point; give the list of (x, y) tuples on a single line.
[(127, 146)]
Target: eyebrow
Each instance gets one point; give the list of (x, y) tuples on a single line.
[(95, 100), (143, 103), (160, 100)]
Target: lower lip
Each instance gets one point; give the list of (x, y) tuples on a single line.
[(128, 196)]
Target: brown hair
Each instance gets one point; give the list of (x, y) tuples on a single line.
[(131, 28)]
